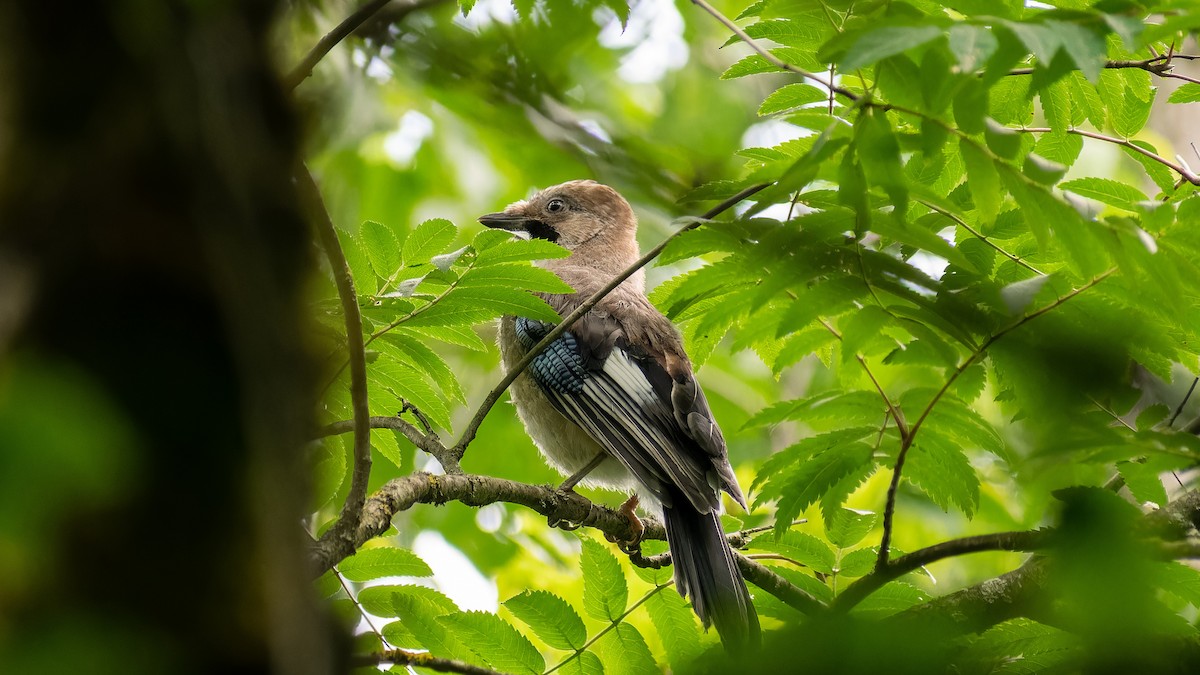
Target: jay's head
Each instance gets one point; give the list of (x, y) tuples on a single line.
[(573, 214)]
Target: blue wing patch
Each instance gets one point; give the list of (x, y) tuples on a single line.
[(560, 367)]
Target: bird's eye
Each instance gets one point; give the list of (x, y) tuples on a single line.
[(555, 205)]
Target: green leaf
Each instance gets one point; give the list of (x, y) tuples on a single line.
[(515, 276), (1000, 139), (1111, 192), (798, 546), (383, 250), (604, 591), (389, 600), (846, 527), (421, 357), (461, 336), (971, 45), (892, 598), (943, 473), (428, 240), (586, 663), (790, 96), (516, 250), (1085, 47), (1132, 115), (810, 481), (550, 617), (1143, 482), (1163, 177), (879, 153), (383, 561), (884, 42), (624, 652), (1043, 170), (495, 641), (420, 619), (982, 179), (677, 628), (1188, 93), (858, 563)]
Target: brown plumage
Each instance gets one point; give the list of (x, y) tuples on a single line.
[(618, 382)]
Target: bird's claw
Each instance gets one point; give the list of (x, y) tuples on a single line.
[(563, 524), (634, 545)]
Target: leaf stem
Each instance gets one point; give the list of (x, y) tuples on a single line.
[(609, 627)]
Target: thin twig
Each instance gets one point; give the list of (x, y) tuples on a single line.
[(348, 25), (771, 58), (889, 512), (1184, 172), (343, 530), (1156, 64), (1179, 408), (615, 622), (894, 411), (493, 396), (980, 236), (405, 657), (426, 441), (1000, 541)]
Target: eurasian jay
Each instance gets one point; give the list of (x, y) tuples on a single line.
[(613, 401)]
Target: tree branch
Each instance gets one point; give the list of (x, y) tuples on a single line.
[(343, 530), (405, 657), (889, 512), (427, 441), (1000, 541), (493, 396), (401, 494), (771, 58), (1184, 172), (304, 69)]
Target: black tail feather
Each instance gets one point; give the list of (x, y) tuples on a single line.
[(706, 571)]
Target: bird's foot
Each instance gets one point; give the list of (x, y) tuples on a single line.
[(563, 524), (569, 484), (633, 545)]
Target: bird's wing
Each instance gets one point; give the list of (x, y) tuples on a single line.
[(625, 399)]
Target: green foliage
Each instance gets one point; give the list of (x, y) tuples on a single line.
[(944, 279)]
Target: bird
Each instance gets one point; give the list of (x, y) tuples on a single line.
[(613, 402)]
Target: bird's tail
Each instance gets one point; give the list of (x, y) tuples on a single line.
[(706, 570)]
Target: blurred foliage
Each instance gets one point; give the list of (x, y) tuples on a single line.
[(939, 270)]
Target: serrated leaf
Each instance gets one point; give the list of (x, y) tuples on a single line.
[(1188, 93), (446, 260), (810, 481), (1143, 482), (1086, 48), (604, 591), (420, 620), (892, 598), (1018, 295), (624, 652), (983, 181), (420, 356), (515, 276), (677, 628), (1043, 170), (881, 43), (799, 546), (383, 561), (389, 600), (586, 663), (382, 248), (858, 563), (1132, 115), (427, 240), (790, 96), (495, 641), (943, 473), (846, 527), (553, 620), (971, 45), (1111, 192), (461, 336), (516, 250)]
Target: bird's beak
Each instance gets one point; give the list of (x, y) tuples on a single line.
[(506, 221)]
